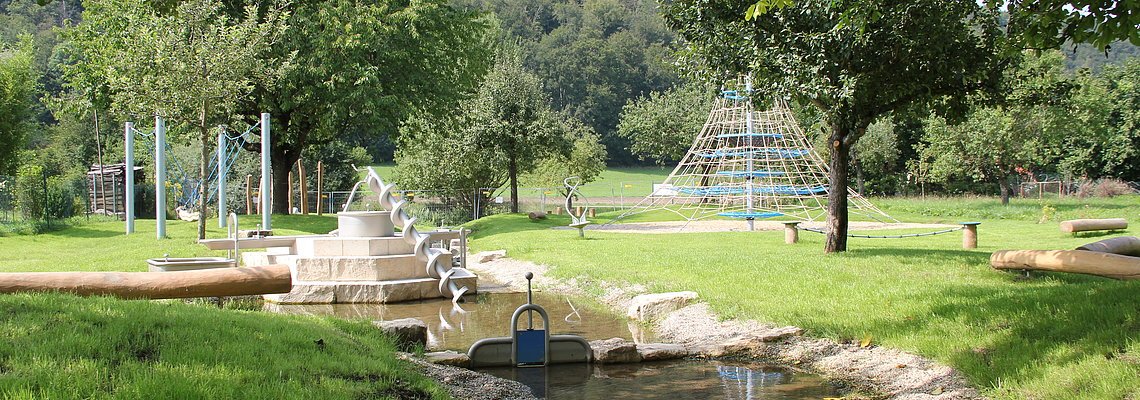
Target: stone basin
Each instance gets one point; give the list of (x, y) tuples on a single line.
[(364, 224)]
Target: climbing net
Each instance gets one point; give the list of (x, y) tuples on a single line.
[(750, 164), (183, 180)]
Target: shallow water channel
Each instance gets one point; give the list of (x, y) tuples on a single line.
[(488, 315)]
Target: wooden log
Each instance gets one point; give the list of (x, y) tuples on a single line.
[(1124, 245), (536, 215), (1082, 225), (791, 232), (304, 186), (1072, 261), (154, 285)]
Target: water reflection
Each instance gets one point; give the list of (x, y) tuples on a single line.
[(672, 380), (456, 326)]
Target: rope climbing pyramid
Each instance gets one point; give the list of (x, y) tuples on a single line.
[(750, 164)]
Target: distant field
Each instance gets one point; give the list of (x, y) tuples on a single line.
[(629, 182)]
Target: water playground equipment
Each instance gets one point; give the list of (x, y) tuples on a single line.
[(365, 260), (578, 222), (750, 164), (529, 347), (226, 155), (1117, 258)]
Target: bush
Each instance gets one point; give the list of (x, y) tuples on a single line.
[(39, 197), (1104, 188)]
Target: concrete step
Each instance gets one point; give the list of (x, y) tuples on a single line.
[(336, 246), (367, 268), (323, 292)]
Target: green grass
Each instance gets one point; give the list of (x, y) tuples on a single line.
[(102, 246), (61, 346), (66, 347), (1049, 336)]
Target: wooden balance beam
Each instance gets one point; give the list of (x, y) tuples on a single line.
[(1072, 261), (1084, 225), (154, 285)]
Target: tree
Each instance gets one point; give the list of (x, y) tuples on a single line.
[(488, 142), (996, 142), (661, 126), (191, 64), (913, 53), (1041, 24), (17, 85), (513, 118), (361, 69), (584, 156)]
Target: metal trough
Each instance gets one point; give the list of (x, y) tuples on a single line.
[(167, 264)]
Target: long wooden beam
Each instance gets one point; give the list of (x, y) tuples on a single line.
[(1073, 261), (154, 285)]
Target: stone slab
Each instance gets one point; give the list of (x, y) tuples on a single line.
[(336, 246), (408, 332), (370, 268), (650, 307), (393, 291)]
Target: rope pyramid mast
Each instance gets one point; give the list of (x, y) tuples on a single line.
[(750, 164)]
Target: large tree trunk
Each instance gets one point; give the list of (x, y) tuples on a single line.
[(1005, 188), (204, 134), (513, 175), (282, 163), (837, 192)]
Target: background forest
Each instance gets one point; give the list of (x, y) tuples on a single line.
[(493, 92)]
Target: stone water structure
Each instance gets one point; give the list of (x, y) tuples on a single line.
[(367, 261)]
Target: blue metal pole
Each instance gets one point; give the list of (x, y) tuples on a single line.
[(266, 182), (159, 177), (129, 188)]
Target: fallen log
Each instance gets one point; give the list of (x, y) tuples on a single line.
[(1082, 225), (1072, 261), (154, 285), (1124, 245)]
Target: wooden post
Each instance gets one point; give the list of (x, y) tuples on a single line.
[(320, 185), (970, 235), (791, 232), (249, 195), (304, 188), (592, 212), (289, 193)]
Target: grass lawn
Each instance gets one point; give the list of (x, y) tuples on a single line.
[(62, 346), (1046, 337), (66, 347)]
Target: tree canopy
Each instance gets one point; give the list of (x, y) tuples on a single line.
[(17, 85), (914, 53)]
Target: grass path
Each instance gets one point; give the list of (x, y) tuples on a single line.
[(1049, 336)]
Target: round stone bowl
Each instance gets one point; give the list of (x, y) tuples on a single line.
[(364, 223)]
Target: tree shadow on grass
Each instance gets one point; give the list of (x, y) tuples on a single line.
[(1027, 326), (922, 256), (84, 233)]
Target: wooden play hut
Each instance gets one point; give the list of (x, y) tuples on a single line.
[(106, 188)]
